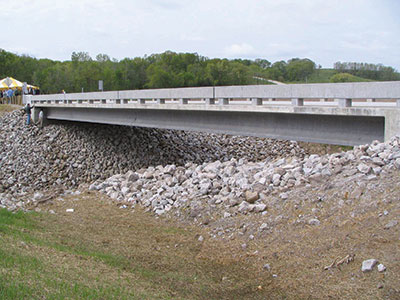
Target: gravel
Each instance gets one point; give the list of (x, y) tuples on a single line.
[(69, 154), (238, 186)]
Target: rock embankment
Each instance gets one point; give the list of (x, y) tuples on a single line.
[(66, 155), (238, 186)]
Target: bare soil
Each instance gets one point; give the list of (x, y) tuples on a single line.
[(306, 261)]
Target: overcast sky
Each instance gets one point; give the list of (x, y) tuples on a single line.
[(325, 31)]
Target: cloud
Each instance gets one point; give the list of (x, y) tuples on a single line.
[(240, 49), (192, 38), (167, 4), (324, 31)]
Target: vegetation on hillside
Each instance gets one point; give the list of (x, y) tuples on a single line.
[(369, 71), (170, 69), (346, 77)]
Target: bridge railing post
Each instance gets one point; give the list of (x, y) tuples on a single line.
[(209, 101), (223, 101), (345, 102), (297, 101), (183, 101), (141, 101), (256, 101), (160, 101)]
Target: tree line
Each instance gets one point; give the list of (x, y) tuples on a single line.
[(164, 70), (370, 71)]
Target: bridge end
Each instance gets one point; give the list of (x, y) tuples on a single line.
[(392, 123)]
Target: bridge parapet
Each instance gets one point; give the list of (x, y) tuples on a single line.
[(340, 94)]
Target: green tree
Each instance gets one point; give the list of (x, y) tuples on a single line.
[(299, 69)]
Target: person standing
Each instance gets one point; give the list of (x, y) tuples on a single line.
[(28, 110), (9, 94)]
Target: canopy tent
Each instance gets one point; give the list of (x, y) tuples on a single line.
[(11, 83)]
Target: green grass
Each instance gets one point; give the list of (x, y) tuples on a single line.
[(324, 76), (27, 276)]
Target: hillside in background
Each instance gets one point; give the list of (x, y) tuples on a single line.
[(170, 69), (332, 75)]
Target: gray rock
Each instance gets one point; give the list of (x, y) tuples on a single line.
[(378, 161), (233, 202), (284, 196), (397, 163), (251, 196), (314, 221), (363, 168), (317, 177), (244, 207), (259, 207), (368, 265), (159, 212), (381, 268), (276, 179), (37, 196)]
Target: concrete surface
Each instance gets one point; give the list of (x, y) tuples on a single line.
[(240, 110)]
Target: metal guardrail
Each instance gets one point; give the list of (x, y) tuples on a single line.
[(337, 94)]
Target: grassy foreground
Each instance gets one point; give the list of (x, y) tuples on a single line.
[(103, 252)]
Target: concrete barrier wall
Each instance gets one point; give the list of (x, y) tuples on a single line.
[(179, 93), (358, 90)]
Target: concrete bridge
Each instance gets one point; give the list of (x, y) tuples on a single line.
[(341, 113)]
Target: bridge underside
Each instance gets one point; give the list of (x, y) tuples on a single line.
[(329, 129)]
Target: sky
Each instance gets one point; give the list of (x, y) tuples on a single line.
[(325, 31)]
